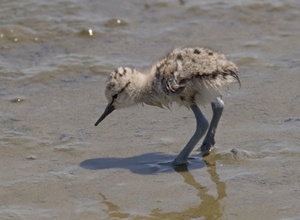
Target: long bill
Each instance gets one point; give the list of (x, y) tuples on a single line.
[(109, 109)]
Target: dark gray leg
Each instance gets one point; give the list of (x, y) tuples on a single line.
[(202, 125), (209, 140)]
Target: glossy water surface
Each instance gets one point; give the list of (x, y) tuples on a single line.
[(54, 164)]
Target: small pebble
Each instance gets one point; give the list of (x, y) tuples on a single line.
[(31, 157)]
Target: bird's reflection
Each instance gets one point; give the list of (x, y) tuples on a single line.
[(209, 206)]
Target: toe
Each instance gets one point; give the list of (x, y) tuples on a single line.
[(205, 149)]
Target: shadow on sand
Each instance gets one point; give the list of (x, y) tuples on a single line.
[(145, 164)]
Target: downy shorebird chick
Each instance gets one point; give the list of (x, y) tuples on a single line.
[(187, 76)]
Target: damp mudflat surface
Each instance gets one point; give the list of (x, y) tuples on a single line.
[(54, 60)]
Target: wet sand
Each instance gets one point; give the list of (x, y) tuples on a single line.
[(54, 164)]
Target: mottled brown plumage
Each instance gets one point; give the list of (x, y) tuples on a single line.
[(187, 76)]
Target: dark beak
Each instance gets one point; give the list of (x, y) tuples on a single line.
[(109, 109)]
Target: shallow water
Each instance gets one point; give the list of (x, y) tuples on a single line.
[(54, 59)]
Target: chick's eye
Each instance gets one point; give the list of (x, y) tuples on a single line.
[(115, 96)]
